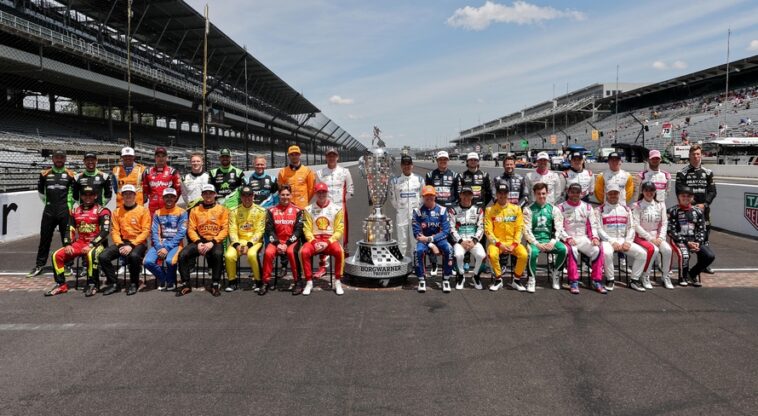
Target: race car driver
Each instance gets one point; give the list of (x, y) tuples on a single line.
[(284, 230), (323, 228), (431, 227), (89, 225), (503, 226), (246, 225)]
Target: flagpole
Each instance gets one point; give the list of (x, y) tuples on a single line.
[(726, 93), (129, 71), (203, 127)]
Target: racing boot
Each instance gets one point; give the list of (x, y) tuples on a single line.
[(478, 282)]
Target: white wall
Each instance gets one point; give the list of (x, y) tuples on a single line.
[(727, 211), (25, 220)]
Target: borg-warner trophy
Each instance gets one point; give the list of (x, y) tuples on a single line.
[(378, 256)]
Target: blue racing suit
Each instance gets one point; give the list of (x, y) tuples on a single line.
[(432, 222), (168, 231)]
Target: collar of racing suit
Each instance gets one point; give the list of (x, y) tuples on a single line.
[(543, 172), (61, 170), (130, 208), (576, 204), (209, 206), (685, 207), (323, 206), (293, 167), (197, 174), (257, 176), (92, 173)]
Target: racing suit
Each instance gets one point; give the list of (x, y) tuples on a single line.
[(192, 188), (584, 178), (284, 224), (618, 227), (156, 180), (133, 175), (432, 222), (700, 180), (301, 179), (517, 192), (661, 179), (264, 187), (446, 185), (480, 184), (207, 223), (580, 227), (503, 226), (687, 224), (99, 181), (340, 184), (555, 185), (323, 224), (405, 196), (88, 228), (55, 187), (130, 226), (651, 222), (226, 180), (621, 178), (168, 231), (467, 224), (246, 227), (543, 225)]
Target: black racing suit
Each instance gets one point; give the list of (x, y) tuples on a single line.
[(99, 181), (700, 180), (446, 185), (517, 192), (226, 180), (688, 225), (480, 184), (55, 187), (265, 188)]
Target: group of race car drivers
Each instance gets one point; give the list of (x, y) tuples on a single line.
[(545, 211), (226, 216)]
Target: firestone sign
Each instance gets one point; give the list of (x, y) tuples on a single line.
[(751, 209)]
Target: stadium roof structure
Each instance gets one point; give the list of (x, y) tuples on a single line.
[(173, 25), (741, 72), (595, 99), (578, 102)]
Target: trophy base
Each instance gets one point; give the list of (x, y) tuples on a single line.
[(381, 261)]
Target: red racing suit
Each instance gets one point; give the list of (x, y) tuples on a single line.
[(88, 227), (155, 181), (284, 224)]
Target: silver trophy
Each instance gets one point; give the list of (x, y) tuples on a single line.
[(378, 255)]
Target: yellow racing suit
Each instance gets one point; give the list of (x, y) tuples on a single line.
[(503, 226), (246, 226)]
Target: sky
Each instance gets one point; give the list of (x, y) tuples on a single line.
[(424, 70)]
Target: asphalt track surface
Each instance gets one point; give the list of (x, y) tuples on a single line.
[(381, 352)]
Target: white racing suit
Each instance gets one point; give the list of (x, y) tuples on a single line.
[(555, 182), (405, 196), (580, 226), (651, 222), (340, 184), (467, 224), (617, 226)]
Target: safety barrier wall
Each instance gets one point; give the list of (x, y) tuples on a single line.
[(735, 208), (22, 211)]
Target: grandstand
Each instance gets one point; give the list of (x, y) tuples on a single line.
[(694, 104), (68, 80)]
